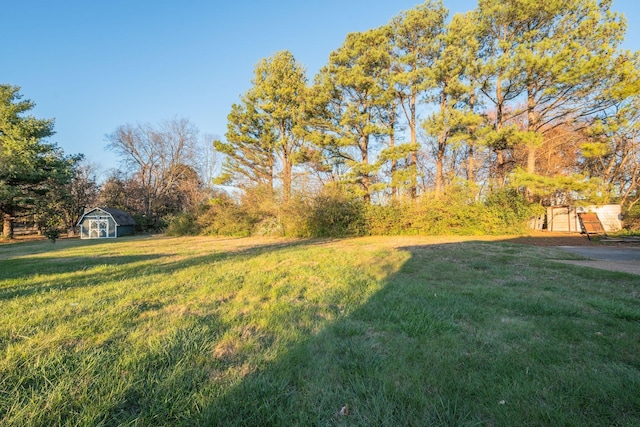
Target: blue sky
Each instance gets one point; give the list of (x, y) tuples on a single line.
[(95, 65)]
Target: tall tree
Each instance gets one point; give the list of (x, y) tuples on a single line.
[(351, 90), (570, 62), (546, 64), (209, 161), (30, 169), (500, 26), (454, 90), (114, 193), (611, 149), (266, 133), (248, 149), (416, 48), (79, 194), (280, 89)]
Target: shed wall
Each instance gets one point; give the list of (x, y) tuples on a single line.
[(98, 225), (565, 218)]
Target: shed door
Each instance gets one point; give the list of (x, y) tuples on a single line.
[(98, 228)]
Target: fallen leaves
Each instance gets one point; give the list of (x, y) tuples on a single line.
[(344, 412)]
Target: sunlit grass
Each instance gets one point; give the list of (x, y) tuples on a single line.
[(201, 331)]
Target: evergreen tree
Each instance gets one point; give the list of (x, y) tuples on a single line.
[(248, 149), (455, 120), (546, 64), (31, 170), (351, 101), (416, 48), (266, 132)]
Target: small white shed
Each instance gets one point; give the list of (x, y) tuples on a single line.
[(104, 223)]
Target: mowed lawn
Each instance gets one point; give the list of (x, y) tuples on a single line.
[(259, 332)]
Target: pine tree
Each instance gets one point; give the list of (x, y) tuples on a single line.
[(266, 132), (30, 169), (350, 97), (416, 48)]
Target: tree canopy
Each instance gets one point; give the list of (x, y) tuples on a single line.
[(495, 96), (32, 171), (265, 132)]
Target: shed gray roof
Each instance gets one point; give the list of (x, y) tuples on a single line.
[(121, 217)]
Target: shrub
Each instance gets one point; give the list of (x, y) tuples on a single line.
[(268, 226), (336, 214), (455, 212), (224, 217), (295, 217), (632, 219), (392, 219), (143, 222), (52, 233), (183, 224), (508, 212), (49, 223)]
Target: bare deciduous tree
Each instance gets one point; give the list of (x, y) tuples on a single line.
[(156, 158)]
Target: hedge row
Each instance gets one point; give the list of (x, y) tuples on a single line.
[(333, 213)]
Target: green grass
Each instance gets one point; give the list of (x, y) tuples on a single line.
[(404, 331)]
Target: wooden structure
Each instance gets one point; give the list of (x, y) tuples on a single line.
[(590, 223), (566, 218), (104, 223)]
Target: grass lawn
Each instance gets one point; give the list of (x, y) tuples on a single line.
[(401, 331)]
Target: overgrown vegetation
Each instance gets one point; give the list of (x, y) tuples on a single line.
[(205, 331), (336, 213)]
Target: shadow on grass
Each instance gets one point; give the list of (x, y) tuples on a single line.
[(18, 248), (470, 333), (78, 271), (464, 334)]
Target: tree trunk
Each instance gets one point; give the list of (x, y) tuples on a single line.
[(531, 125), (413, 190), (439, 170), (394, 163), (366, 179), (442, 144), (531, 159), (7, 226), (286, 180), (471, 165), (532, 149), (471, 174), (500, 166)]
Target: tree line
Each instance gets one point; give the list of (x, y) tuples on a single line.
[(161, 174), (491, 113), (534, 95)]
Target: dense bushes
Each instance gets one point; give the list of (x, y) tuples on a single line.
[(224, 217), (183, 224), (504, 212), (335, 213), (632, 219)]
